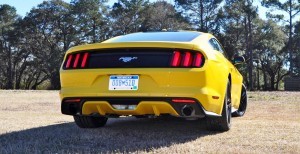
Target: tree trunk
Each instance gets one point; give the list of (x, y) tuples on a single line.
[(9, 84), (258, 86), (201, 16), (272, 80), (265, 78), (94, 30), (250, 52), (20, 74), (37, 82), (290, 38), (55, 81), (277, 80)]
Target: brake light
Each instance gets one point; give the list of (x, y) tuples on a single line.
[(175, 59), (197, 60), (69, 61), (83, 63), (77, 60), (72, 100), (187, 59), (183, 101)]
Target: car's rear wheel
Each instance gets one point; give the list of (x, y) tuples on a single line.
[(89, 121), (243, 104), (140, 116), (222, 123)]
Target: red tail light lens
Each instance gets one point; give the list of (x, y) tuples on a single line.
[(187, 59), (183, 101), (83, 63), (69, 61), (176, 59), (198, 59), (77, 60), (72, 100)]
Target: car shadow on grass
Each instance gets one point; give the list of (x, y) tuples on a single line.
[(119, 135)]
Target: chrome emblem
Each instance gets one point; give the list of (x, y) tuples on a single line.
[(127, 59)]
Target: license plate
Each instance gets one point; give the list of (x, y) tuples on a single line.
[(123, 82)]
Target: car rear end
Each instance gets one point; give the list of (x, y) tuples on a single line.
[(138, 78)]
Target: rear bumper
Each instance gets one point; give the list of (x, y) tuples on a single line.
[(157, 85), (144, 106)]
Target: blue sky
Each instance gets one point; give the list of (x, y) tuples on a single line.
[(24, 6)]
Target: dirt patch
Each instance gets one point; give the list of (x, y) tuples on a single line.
[(31, 122)]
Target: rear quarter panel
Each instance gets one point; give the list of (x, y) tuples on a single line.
[(224, 69)]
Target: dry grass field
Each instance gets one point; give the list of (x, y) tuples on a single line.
[(31, 122)]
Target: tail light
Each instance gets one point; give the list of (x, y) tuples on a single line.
[(198, 60), (69, 61), (85, 57), (183, 101), (77, 60), (73, 100), (176, 59), (187, 59)]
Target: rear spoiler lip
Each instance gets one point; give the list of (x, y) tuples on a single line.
[(114, 45)]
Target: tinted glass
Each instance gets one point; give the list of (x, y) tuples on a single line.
[(214, 45), (219, 45), (158, 36)]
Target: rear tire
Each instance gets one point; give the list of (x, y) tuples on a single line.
[(140, 116), (89, 121), (243, 104), (222, 123)]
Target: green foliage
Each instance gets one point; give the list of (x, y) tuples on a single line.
[(127, 16), (269, 54), (234, 22), (90, 19), (296, 48), (51, 26), (292, 9), (201, 13), (8, 18), (162, 15)]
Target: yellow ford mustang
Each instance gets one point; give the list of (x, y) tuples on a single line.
[(183, 74)]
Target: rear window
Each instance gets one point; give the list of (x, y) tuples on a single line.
[(158, 36)]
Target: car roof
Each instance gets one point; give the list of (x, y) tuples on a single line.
[(192, 40), (178, 36)]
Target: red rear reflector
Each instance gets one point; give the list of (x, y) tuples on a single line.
[(72, 100), (69, 61), (85, 56), (197, 60), (183, 101), (187, 59), (176, 59), (76, 60), (215, 97)]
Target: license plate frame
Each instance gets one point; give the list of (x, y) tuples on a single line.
[(123, 82)]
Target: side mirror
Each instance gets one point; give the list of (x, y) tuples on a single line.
[(238, 60)]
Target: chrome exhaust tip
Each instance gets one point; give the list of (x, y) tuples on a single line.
[(187, 111)]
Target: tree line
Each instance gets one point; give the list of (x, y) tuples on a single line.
[(32, 47)]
